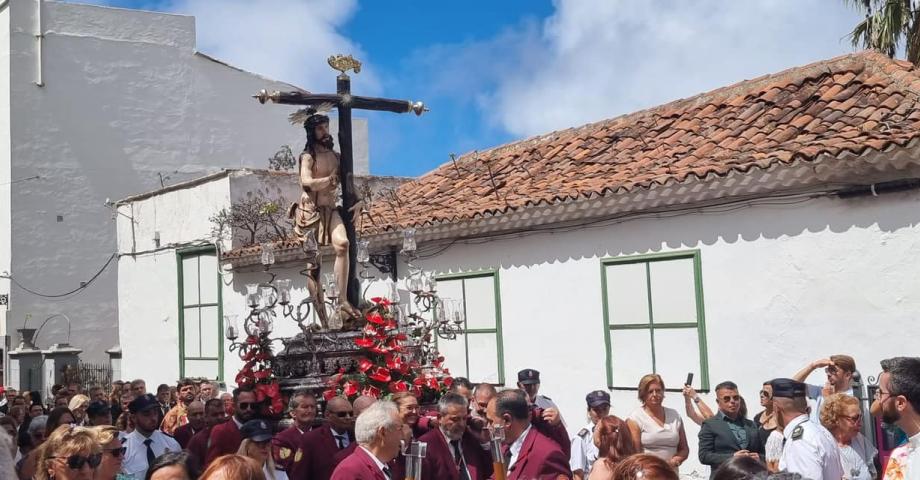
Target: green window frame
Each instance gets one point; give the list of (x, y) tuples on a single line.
[(466, 333), (614, 326), (195, 303)]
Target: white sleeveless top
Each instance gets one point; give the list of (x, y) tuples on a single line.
[(660, 441)]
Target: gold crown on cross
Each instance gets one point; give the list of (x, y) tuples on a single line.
[(344, 63)]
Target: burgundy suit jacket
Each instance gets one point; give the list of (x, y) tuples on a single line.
[(540, 458), (319, 448), (556, 433), (198, 447), (287, 450), (439, 464), (358, 466), (344, 453), (184, 434), (225, 439)]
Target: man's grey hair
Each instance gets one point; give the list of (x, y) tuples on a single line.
[(298, 394), (382, 414), (452, 398), (38, 424)]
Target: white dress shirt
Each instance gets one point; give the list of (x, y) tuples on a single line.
[(135, 460), (516, 447), (813, 454), (377, 461)]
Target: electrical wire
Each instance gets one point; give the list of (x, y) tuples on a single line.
[(83, 285)]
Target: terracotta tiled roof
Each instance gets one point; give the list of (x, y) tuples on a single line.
[(846, 104)]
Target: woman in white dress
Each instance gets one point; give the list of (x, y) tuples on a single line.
[(656, 429), (841, 415)]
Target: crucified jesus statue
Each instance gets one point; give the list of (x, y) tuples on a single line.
[(318, 211)]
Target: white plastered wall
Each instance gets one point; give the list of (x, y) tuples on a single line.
[(126, 98)]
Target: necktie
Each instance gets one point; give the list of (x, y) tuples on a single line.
[(386, 472), (340, 441), (507, 456), (150, 456), (458, 460)]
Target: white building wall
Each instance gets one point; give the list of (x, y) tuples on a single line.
[(783, 285), (148, 295), (125, 98)]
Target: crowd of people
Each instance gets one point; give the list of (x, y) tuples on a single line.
[(192, 430)]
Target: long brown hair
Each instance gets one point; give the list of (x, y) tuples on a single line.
[(614, 443)]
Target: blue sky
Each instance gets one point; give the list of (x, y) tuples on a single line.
[(497, 71)]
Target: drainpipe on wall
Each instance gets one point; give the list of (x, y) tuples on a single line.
[(40, 37)]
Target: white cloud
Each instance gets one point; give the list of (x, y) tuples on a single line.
[(287, 40), (597, 59)]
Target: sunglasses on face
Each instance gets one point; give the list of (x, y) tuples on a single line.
[(831, 370), (247, 405), (117, 452), (76, 462), (855, 418), (765, 394), (731, 398), (343, 414)]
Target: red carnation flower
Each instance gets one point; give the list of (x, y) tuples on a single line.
[(329, 394), (364, 365), (350, 388), (380, 375), (398, 386), (375, 318), (364, 342), (448, 381)]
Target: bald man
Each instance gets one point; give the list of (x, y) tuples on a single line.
[(321, 445), (360, 404)]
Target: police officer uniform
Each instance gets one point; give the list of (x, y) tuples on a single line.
[(808, 448), (584, 451), (141, 450), (529, 376)]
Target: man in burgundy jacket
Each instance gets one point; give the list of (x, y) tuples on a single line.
[(287, 445), (359, 405), (321, 445), (195, 415), (378, 431), (226, 438), (546, 421), (530, 454), (198, 445), (454, 453)]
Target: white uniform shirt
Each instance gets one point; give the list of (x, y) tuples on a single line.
[(135, 461), (810, 451), (584, 451), (544, 402)]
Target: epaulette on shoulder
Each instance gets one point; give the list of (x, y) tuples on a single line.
[(583, 432)]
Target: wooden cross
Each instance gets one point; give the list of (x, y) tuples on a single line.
[(345, 102)]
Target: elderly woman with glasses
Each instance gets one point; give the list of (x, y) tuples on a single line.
[(841, 415), (70, 453), (112, 452)]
